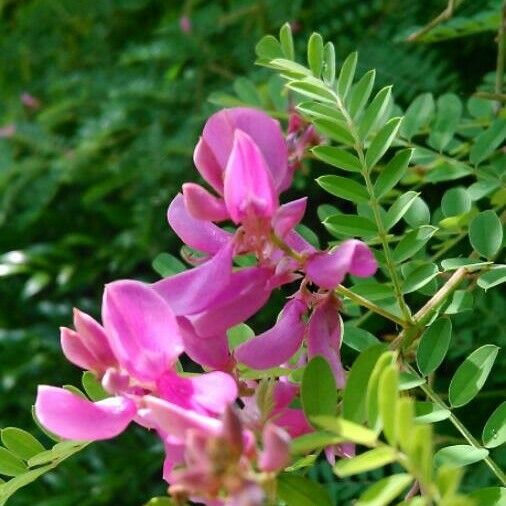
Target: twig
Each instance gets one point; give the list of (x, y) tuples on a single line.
[(440, 18)]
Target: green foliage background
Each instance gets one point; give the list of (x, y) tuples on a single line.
[(86, 178)]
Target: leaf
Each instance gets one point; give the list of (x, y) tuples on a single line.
[(348, 431), (459, 455), (488, 141), (308, 234), (485, 233), (456, 201), (290, 68), (14, 484), (493, 277), (360, 93), (337, 157), (418, 213), (407, 381), (372, 459), (239, 334), (268, 48), (393, 172), (418, 115), (10, 465), (357, 338), (451, 264), (312, 90), (490, 496), (433, 345), (494, 432), (313, 441), (318, 389), (419, 277), (335, 130), (347, 74), (413, 242), (297, 490), (374, 112), (315, 54), (385, 490), (93, 387), (428, 412), (286, 41), (344, 188), (382, 142), (315, 110), (160, 501), (21, 443), (350, 225), (387, 400), (471, 375), (354, 406), (167, 265), (462, 300), (449, 111), (329, 64), (399, 208), (372, 397), (405, 415), (373, 290)]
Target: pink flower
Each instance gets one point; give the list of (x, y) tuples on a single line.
[(185, 24), (29, 101)]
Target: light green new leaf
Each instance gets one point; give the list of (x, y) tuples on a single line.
[(268, 48), (494, 432), (346, 75), (449, 111), (344, 188), (493, 277), (160, 501), (388, 393), (373, 385), (286, 40), (413, 242), (374, 112), (488, 141), (418, 115), (239, 334), (434, 345), (329, 63), (460, 455), (372, 459), (393, 172), (382, 142), (296, 490), (486, 234), (456, 201), (10, 464), (471, 375), (384, 491), (21, 443), (337, 157), (347, 430), (399, 208), (93, 387), (315, 54), (350, 225), (318, 389), (313, 441), (360, 93)]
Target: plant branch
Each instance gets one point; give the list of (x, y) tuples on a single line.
[(501, 55)]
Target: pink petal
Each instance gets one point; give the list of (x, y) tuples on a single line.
[(206, 162), (209, 351), (292, 420), (327, 270), (298, 243), (276, 453), (94, 338), (249, 187), (76, 352), (324, 336), (192, 291), (247, 291), (142, 327), (215, 391), (278, 344), (177, 421), (218, 135), (288, 215), (203, 205), (72, 417), (198, 234)]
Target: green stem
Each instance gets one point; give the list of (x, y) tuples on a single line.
[(501, 55), (433, 396), (444, 16)]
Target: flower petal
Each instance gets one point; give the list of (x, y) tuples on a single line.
[(278, 344), (215, 391), (288, 215), (143, 330), (203, 205), (192, 291), (324, 336), (72, 417), (249, 186), (276, 452), (76, 352), (207, 165), (327, 270), (198, 234)]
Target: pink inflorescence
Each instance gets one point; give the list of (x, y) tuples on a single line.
[(225, 437)]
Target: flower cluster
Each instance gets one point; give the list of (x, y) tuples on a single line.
[(225, 437)]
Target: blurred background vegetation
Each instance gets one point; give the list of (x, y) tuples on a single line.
[(101, 104)]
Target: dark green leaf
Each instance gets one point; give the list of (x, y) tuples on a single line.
[(493, 277), (456, 201), (346, 75), (361, 92), (490, 496), (449, 111), (471, 375), (313, 90), (412, 242), (407, 381), (485, 233), (433, 345), (167, 265), (338, 158), (350, 225), (399, 208), (286, 40), (494, 432), (418, 213), (460, 455), (329, 63), (488, 141), (418, 115), (296, 490), (393, 172), (382, 142), (344, 188), (357, 338), (419, 277), (451, 264), (315, 54), (375, 111), (428, 412), (269, 48)]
